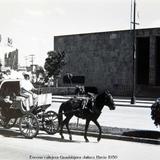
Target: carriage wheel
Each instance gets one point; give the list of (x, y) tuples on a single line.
[(50, 123), (8, 123), (29, 125)]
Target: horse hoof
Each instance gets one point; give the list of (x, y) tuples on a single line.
[(98, 139), (62, 137), (70, 138), (87, 140)]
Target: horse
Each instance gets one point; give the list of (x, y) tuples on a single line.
[(73, 107)]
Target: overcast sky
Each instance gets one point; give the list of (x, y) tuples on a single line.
[(32, 23)]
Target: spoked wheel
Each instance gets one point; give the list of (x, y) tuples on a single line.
[(29, 125), (8, 123), (50, 123)]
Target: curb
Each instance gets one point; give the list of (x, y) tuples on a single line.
[(118, 102), (117, 137), (132, 105), (117, 105)]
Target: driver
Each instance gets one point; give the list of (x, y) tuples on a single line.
[(27, 91)]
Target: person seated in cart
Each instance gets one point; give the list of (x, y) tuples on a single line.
[(27, 92)]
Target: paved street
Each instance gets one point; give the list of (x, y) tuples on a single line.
[(15, 147)]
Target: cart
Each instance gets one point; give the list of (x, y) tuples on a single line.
[(13, 112)]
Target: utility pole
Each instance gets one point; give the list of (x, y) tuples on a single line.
[(26, 58), (0, 66), (32, 60), (133, 98)]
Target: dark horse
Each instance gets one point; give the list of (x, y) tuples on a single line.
[(73, 107)]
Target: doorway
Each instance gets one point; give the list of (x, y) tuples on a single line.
[(142, 65), (157, 61)]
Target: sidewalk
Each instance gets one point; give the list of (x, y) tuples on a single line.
[(126, 102)]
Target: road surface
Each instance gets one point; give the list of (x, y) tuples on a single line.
[(14, 147)]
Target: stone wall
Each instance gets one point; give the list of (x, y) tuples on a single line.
[(103, 58), (57, 90)]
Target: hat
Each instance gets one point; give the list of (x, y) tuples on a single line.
[(25, 74)]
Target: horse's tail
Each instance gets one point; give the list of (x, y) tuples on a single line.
[(60, 114)]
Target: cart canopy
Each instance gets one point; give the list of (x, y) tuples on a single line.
[(9, 87)]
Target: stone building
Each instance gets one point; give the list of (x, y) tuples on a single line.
[(105, 59), (11, 59)]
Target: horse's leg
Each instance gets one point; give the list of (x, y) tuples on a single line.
[(100, 131), (86, 129), (61, 130), (65, 122), (67, 126)]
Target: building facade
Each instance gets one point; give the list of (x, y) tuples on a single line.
[(11, 59), (105, 59)]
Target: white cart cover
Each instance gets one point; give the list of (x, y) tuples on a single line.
[(45, 99)]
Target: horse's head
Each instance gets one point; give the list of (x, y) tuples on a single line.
[(109, 100)]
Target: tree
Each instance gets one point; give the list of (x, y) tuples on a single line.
[(54, 63), (39, 71)]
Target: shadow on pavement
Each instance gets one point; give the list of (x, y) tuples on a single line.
[(9, 133), (58, 139), (143, 134), (54, 139), (16, 134)]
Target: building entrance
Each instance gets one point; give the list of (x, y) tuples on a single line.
[(157, 61), (142, 64)]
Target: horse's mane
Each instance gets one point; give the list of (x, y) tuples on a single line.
[(100, 98)]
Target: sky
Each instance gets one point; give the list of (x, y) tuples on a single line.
[(32, 24)]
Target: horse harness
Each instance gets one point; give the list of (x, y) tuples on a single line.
[(87, 104)]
